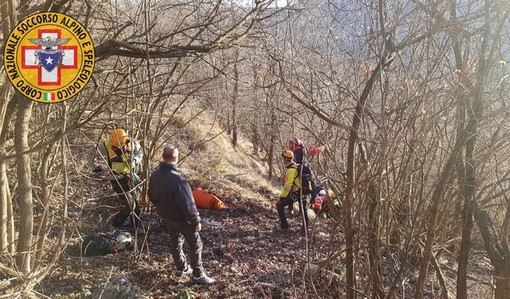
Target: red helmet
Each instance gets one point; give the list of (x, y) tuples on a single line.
[(295, 141)]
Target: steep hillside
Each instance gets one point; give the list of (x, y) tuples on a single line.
[(242, 250), (220, 167)]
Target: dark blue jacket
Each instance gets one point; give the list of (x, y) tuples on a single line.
[(171, 194)]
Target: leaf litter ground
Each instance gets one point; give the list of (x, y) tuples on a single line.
[(242, 251)]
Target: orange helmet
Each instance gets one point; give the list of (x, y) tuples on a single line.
[(288, 154), (118, 138)]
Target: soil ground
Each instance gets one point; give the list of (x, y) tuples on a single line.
[(242, 251)]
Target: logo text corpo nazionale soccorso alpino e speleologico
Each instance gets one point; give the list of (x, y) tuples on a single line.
[(49, 57)]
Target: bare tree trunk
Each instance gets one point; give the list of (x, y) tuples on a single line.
[(503, 270), (235, 98), (351, 177), (349, 198), (271, 149), (5, 207), (24, 176), (373, 240), (8, 15), (467, 174), (502, 281), (498, 253), (465, 246), (6, 213), (437, 196), (45, 201), (253, 125)]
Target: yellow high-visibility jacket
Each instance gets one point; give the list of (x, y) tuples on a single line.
[(129, 159), (291, 180)]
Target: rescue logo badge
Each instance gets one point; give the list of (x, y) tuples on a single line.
[(49, 57)]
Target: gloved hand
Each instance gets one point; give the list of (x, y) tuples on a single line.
[(97, 168), (118, 152), (117, 158)]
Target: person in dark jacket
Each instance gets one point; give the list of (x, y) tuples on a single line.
[(171, 194), (300, 151)]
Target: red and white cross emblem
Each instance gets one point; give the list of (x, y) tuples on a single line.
[(53, 78)]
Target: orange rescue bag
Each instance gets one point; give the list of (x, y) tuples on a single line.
[(206, 200)]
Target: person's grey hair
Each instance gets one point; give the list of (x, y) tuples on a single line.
[(170, 152)]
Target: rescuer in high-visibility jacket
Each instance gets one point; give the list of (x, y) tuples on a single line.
[(291, 192), (124, 156), (300, 153)]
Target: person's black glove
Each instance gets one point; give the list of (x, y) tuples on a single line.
[(119, 157), (116, 159), (118, 152), (97, 168)]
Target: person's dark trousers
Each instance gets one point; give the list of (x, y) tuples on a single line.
[(287, 201), (291, 206), (129, 201), (181, 231)]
